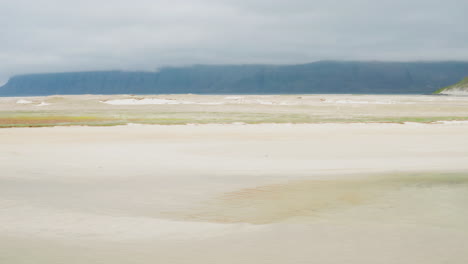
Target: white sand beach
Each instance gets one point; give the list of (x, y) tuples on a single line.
[(265, 193), (233, 132)]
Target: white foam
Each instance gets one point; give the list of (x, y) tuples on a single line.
[(145, 101), (264, 102), (22, 101), (43, 104), (155, 101), (357, 102), (211, 103), (158, 101), (454, 122)]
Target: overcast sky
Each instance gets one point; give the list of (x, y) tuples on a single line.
[(76, 35)]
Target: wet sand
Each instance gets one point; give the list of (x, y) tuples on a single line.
[(267, 193)]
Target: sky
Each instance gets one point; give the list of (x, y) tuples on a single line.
[(81, 35)]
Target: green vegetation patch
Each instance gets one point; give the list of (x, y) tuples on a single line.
[(109, 118), (463, 84)]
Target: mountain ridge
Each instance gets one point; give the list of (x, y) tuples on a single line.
[(318, 77)]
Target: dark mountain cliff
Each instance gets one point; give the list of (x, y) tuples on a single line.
[(318, 77)]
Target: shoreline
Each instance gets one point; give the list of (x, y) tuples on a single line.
[(441, 122), (227, 193), (206, 109)]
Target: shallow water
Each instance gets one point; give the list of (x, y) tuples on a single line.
[(429, 198)]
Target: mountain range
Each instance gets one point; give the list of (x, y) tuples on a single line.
[(349, 77)]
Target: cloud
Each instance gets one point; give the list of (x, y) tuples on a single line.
[(72, 35)]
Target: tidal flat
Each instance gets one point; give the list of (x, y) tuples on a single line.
[(392, 189)]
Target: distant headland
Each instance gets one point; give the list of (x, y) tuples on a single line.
[(333, 77)]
